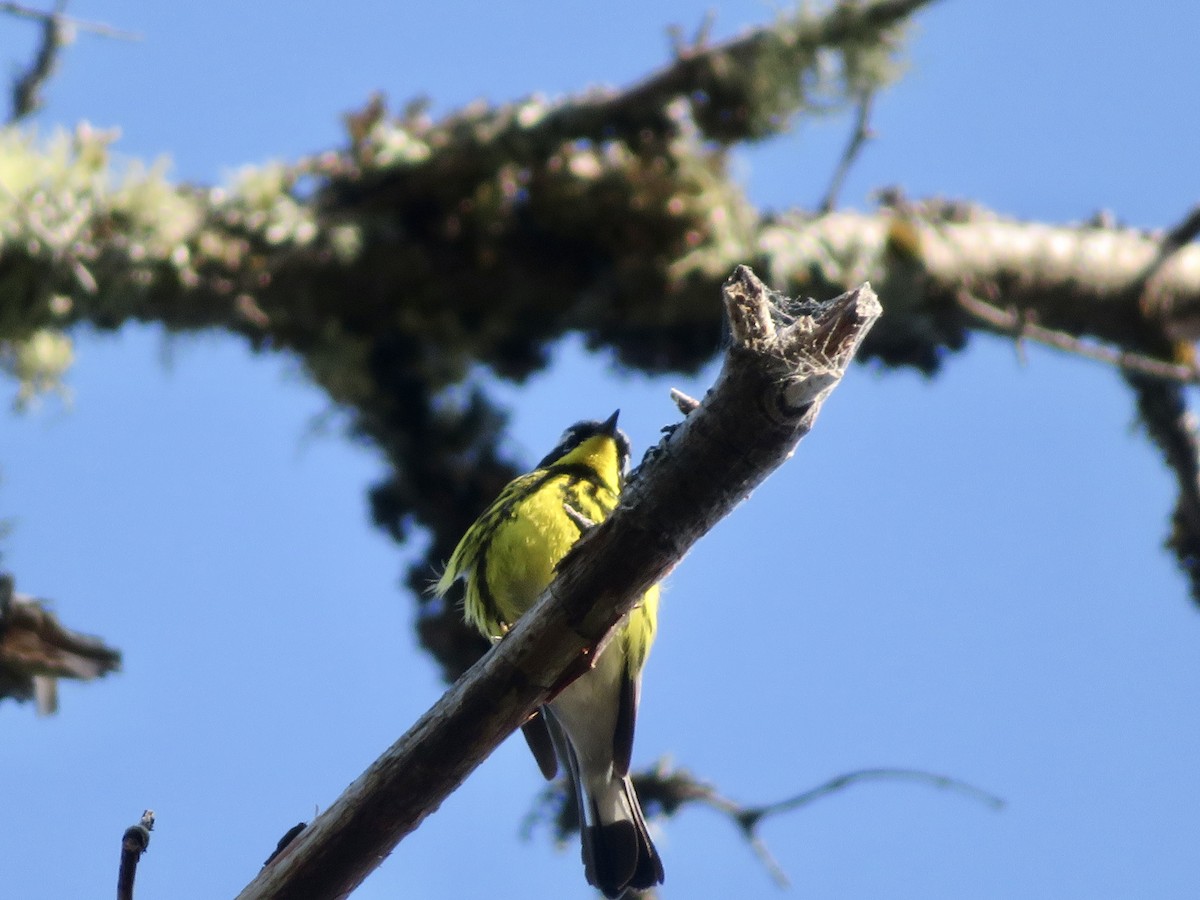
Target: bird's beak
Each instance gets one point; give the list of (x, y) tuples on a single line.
[(609, 425)]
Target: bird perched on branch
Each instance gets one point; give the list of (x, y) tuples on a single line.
[(508, 558)]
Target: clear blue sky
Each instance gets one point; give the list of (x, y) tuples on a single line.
[(961, 575)]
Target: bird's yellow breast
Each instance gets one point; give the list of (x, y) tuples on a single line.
[(509, 555), (520, 562), (530, 534)]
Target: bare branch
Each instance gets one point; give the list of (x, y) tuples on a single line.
[(676, 789), (766, 398), (667, 790), (1020, 328), (751, 816), (134, 843), (858, 139), (683, 47)]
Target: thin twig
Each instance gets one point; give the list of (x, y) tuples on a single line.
[(27, 87), (684, 48), (58, 31), (582, 521), (134, 843), (1173, 240), (1162, 409), (754, 815), (1185, 232), (1126, 360), (40, 15), (665, 791), (858, 139), (678, 788)]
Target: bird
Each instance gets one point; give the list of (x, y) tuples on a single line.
[(507, 559)]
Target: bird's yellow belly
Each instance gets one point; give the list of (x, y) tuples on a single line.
[(522, 555)]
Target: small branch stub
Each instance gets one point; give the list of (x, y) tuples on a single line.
[(36, 650), (134, 843), (683, 402)]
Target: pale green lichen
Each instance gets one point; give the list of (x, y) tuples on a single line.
[(395, 143), (38, 363)]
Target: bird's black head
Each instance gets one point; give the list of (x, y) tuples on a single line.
[(581, 431)]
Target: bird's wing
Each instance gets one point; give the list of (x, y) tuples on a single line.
[(541, 744), (627, 703)]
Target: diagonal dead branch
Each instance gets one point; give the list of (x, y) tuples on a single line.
[(748, 424)]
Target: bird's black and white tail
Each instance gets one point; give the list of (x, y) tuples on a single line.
[(617, 850), (618, 853)]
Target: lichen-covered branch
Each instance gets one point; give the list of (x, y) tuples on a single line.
[(1087, 279), (395, 266)]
